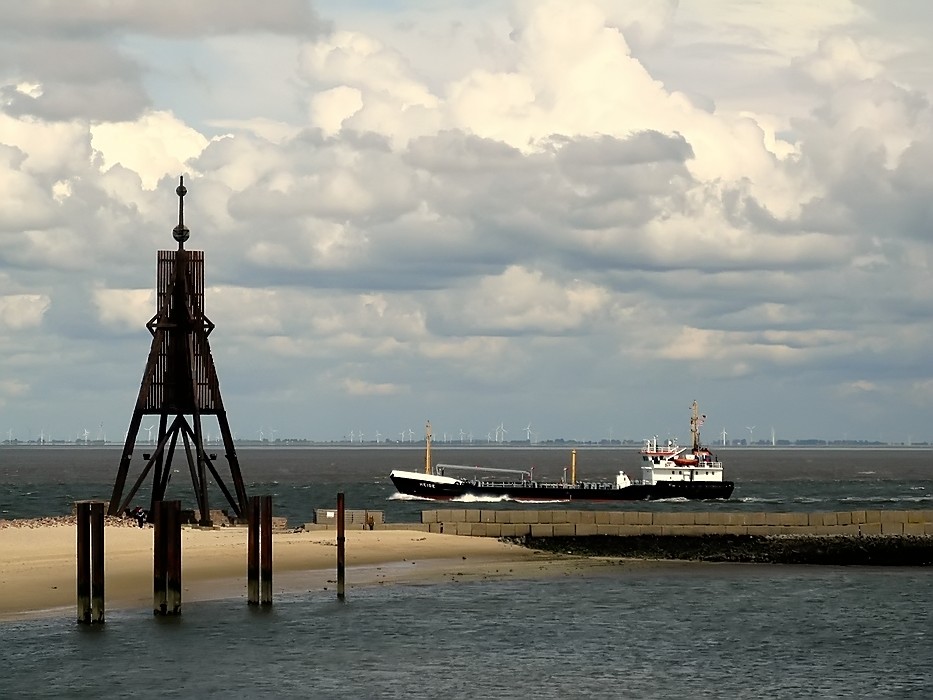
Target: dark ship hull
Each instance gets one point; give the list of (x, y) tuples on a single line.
[(429, 487)]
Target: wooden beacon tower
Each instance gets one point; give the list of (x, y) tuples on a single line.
[(180, 381)]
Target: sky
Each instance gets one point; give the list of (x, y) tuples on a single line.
[(570, 219)]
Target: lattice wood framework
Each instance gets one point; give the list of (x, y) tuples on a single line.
[(180, 381)]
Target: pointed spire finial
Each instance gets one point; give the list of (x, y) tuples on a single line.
[(180, 232)]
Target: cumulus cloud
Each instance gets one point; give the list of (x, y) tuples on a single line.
[(18, 311), (155, 145), (838, 59), (123, 309), (546, 201)]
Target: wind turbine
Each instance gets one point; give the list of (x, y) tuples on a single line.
[(149, 432), (773, 441), (528, 433), (724, 433), (352, 435), (461, 436), (750, 429), (378, 436), (411, 435)]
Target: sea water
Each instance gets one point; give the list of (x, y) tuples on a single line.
[(46, 481), (661, 631), (696, 631)]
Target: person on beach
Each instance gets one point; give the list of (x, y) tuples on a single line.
[(137, 513)]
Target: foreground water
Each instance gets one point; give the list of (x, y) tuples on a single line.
[(662, 631), (694, 631)]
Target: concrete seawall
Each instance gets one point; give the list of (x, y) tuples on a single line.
[(860, 537), (580, 523), (577, 523)]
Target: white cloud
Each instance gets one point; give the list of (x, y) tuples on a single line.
[(556, 203), (522, 301), (355, 387), (154, 146), (19, 311), (838, 59), (123, 309)]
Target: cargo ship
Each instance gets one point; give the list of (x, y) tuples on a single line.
[(668, 471)]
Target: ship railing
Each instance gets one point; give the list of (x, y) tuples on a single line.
[(524, 474)]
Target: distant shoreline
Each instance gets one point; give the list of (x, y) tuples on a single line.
[(284, 445)]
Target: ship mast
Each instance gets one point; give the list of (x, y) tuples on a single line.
[(695, 422), (427, 448)]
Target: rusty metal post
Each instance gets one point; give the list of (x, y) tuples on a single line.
[(83, 551), (341, 547), (252, 553), (265, 551), (159, 556), (172, 513), (97, 561)]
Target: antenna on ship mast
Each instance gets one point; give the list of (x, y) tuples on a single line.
[(427, 447)]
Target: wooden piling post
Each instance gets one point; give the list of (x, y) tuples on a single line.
[(97, 561), (83, 551), (341, 547), (166, 558), (159, 606), (252, 551), (265, 551), (259, 551), (89, 550), (173, 557)]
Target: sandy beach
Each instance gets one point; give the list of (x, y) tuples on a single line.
[(37, 563)]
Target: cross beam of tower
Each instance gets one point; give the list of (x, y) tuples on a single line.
[(180, 386)]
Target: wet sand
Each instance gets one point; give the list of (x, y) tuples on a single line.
[(37, 563)]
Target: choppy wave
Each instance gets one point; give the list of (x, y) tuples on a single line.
[(476, 499), (886, 499)]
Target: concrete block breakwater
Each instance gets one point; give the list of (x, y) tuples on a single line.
[(862, 537), (577, 523), (871, 550)]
